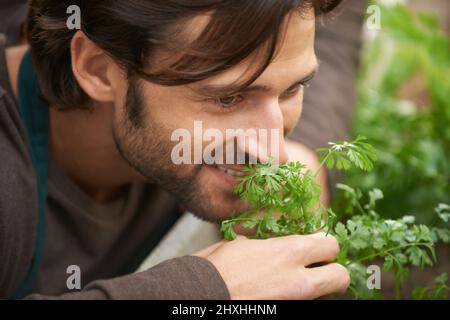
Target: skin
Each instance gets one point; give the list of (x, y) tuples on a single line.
[(279, 268), (103, 150)]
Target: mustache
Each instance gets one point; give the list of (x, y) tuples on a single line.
[(238, 152)]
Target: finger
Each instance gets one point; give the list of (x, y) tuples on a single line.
[(328, 279), (314, 248), (320, 248)]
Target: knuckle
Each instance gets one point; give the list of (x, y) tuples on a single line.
[(285, 246), (296, 245)]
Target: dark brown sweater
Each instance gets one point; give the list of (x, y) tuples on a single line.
[(108, 241)]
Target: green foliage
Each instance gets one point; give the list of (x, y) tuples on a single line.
[(398, 243), (291, 189), (440, 290), (343, 154), (412, 137), (288, 197), (287, 188)]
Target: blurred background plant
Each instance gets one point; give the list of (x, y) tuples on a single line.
[(403, 109)]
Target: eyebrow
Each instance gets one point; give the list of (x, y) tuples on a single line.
[(224, 90)]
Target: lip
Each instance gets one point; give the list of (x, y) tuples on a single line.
[(232, 167), (228, 180)]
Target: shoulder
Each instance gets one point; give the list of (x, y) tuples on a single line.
[(18, 201)]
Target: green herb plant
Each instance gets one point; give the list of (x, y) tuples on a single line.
[(285, 200)]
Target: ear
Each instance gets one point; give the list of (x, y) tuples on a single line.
[(91, 67)]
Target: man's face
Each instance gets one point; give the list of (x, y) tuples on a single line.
[(143, 125)]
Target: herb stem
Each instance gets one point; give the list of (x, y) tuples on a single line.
[(378, 254), (322, 164)]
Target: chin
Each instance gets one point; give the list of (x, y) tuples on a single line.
[(214, 199)]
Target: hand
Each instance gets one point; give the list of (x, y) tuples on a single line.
[(279, 268)]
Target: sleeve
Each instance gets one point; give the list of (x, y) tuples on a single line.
[(330, 100), (18, 209), (184, 278)]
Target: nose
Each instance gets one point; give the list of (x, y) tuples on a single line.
[(269, 142)]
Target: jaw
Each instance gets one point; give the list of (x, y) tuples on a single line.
[(212, 198)]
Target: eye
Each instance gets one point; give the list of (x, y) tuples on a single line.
[(228, 102), (294, 90)]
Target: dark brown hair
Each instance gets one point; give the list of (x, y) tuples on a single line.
[(132, 31)]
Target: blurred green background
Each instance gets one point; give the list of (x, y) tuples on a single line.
[(403, 108)]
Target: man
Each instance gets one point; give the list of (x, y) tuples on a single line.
[(116, 90)]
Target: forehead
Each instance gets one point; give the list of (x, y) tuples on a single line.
[(294, 57)]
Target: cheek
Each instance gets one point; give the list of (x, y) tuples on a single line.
[(173, 115), (119, 119), (119, 84), (292, 111)]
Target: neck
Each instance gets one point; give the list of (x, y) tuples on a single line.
[(82, 145)]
